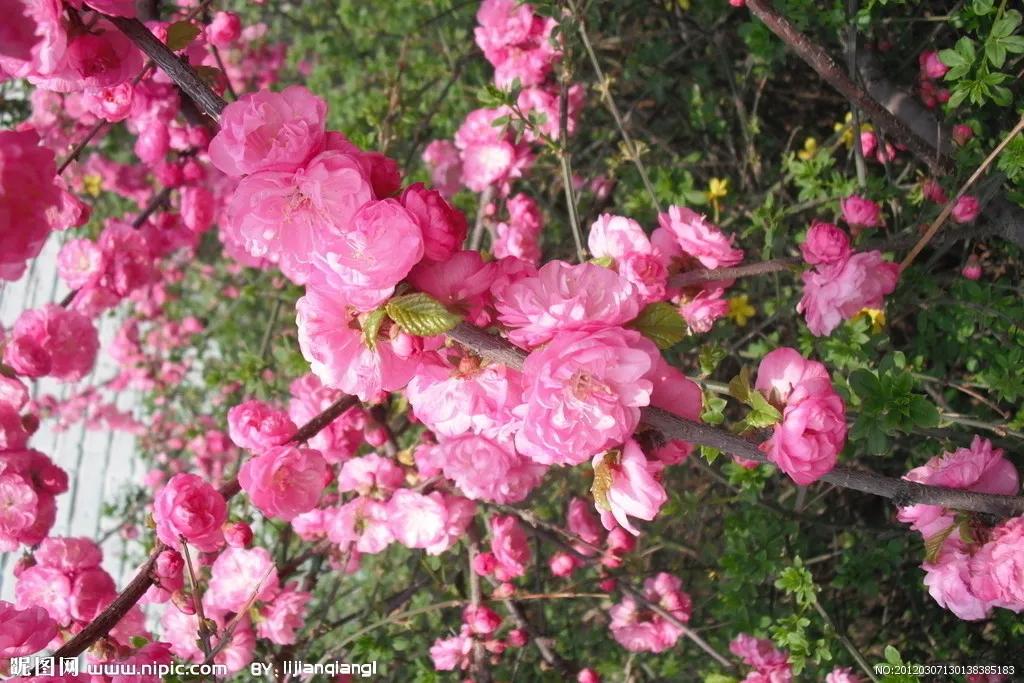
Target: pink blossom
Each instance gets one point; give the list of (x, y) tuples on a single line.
[(462, 283), (443, 227), (699, 238), (45, 587), (80, 262), (544, 103), (25, 631), (508, 543), (33, 38), (239, 576), (490, 154), (95, 60), (284, 481), (52, 341), (616, 236), (225, 29), (198, 208), (238, 534), (588, 675), (417, 520), (933, 192), (931, 66), (997, 569), (702, 310), (91, 591), (966, 209), (972, 269), (269, 131), (452, 653), (677, 394), (519, 236), (807, 442), (111, 104), (283, 616), (647, 273), (380, 247), (256, 426), (949, 582), (582, 521), (188, 506), (771, 663), (825, 244), (631, 489), (639, 630), (168, 576), (481, 619), (370, 474), (583, 394), (338, 354), (29, 481), (489, 470), (838, 292), (962, 133), (516, 41), (468, 398), (68, 554), (842, 674), (27, 173), (860, 213), (563, 298), (442, 158)]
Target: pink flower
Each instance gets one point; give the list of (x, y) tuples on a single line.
[(838, 292), (582, 521), (519, 236), (589, 675), (340, 439), (949, 582), (639, 630), (370, 474), (284, 481), (825, 244), (79, 263), (416, 520), (27, 173), (933, 192), (238, 534), (452, 653), (966, 209), (188, 506), (91, 591), (702, 310), (490, 155), (96, 60), (443, 227), (489, 470), (771, 663), (462, 283), (481, 619), (962, 133), (454, 400), (807, 442), (380, 247), (931, 66), (269, 131), (25, 631), (545, 102), (256, 426), (646, 272), (677, 394), (283, 616), (442, 158), (508, 543), (972, 269), (111, 104), (616, 236), (628, 487), (224, 30), (68, 554), (52, 341), (45, 587), (562, 564), (860, 213), (288, 216), (842, 674), (699, 238), (563, 298), (239, 576), (997, 569), (583, 394), (168, 576), (198, 208), (29, 481), (338, 354)]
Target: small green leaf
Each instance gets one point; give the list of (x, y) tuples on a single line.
[(709, 357), (603, 261), (661, 323), (763, 414), (421, 315), (739, 386), (892, 656), (180, 34), (709, 454), (933, 544), (923, 412), (371, 326), (865, 384)]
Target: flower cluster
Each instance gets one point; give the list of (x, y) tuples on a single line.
[(769, 664), (640, 629)]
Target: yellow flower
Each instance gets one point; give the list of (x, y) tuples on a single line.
[(92, 184), (875, 316), (740, 310), (809, 150), (717, 188)]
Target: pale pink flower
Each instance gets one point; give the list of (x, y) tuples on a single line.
[(966, 209), (370, 473), (442, 158), (699, 238), (583, 394), (256, 426), (562, 564), (838, 292), (519, 236), (485, 469), (338, 354), (632, 490), (379, 248), (460, 515), (417, 520), (508, 543), (284, 481), (771, 663), (188, 506), (45, 587), (490, 155), (68, 554), (80, 262), (860, 213), (616, 236), (842, 674), (545, 102), (239, 576), (25, 631), (267, 131), (949, 582), (639, 630), (283, 616), (825, 244), (997, 568), (806, 443), (702, 310), (111, 104), (27, 173), (563, 298), (337, 441), (443, 227), (452, 653), (224, 29)]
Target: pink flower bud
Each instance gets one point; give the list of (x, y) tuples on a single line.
[(484, 564), (966, 209), (589, 675), (481, 620), (562, 564), (238, 534), (517, 637)]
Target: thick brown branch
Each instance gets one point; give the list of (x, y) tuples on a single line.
[(822, 62), (693, 277)]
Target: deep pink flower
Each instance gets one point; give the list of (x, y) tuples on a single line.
[(25, 631), (508, 543), (838, 292), (962, 133), (101, 59), (860, 213), (27, 173), (111, 104), (632, 490), (256, 426), (28, 483), (702, 310), (562, 298), (443, 226), (225, 29), (269, 131), (931, 66), (284, 481), (639, 630), (340, 439), (481, 619), (583, 394), (825, 244), (188, 506), (966, 209)]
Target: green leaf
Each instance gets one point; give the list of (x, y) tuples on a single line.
[(739, 386), (421, 315), (180, 34), (709, 454), (923, 412), (661, 323), (371, 326), (709, 357), (763, 413), (933, 544), (865, 384), (892, 656)]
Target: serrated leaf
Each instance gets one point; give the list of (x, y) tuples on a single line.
[(180, 34), (763, 414), (371, 326), (923, 412), (709, 357), (661, 323), (421, 315), (709, 454), (739, 386)]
